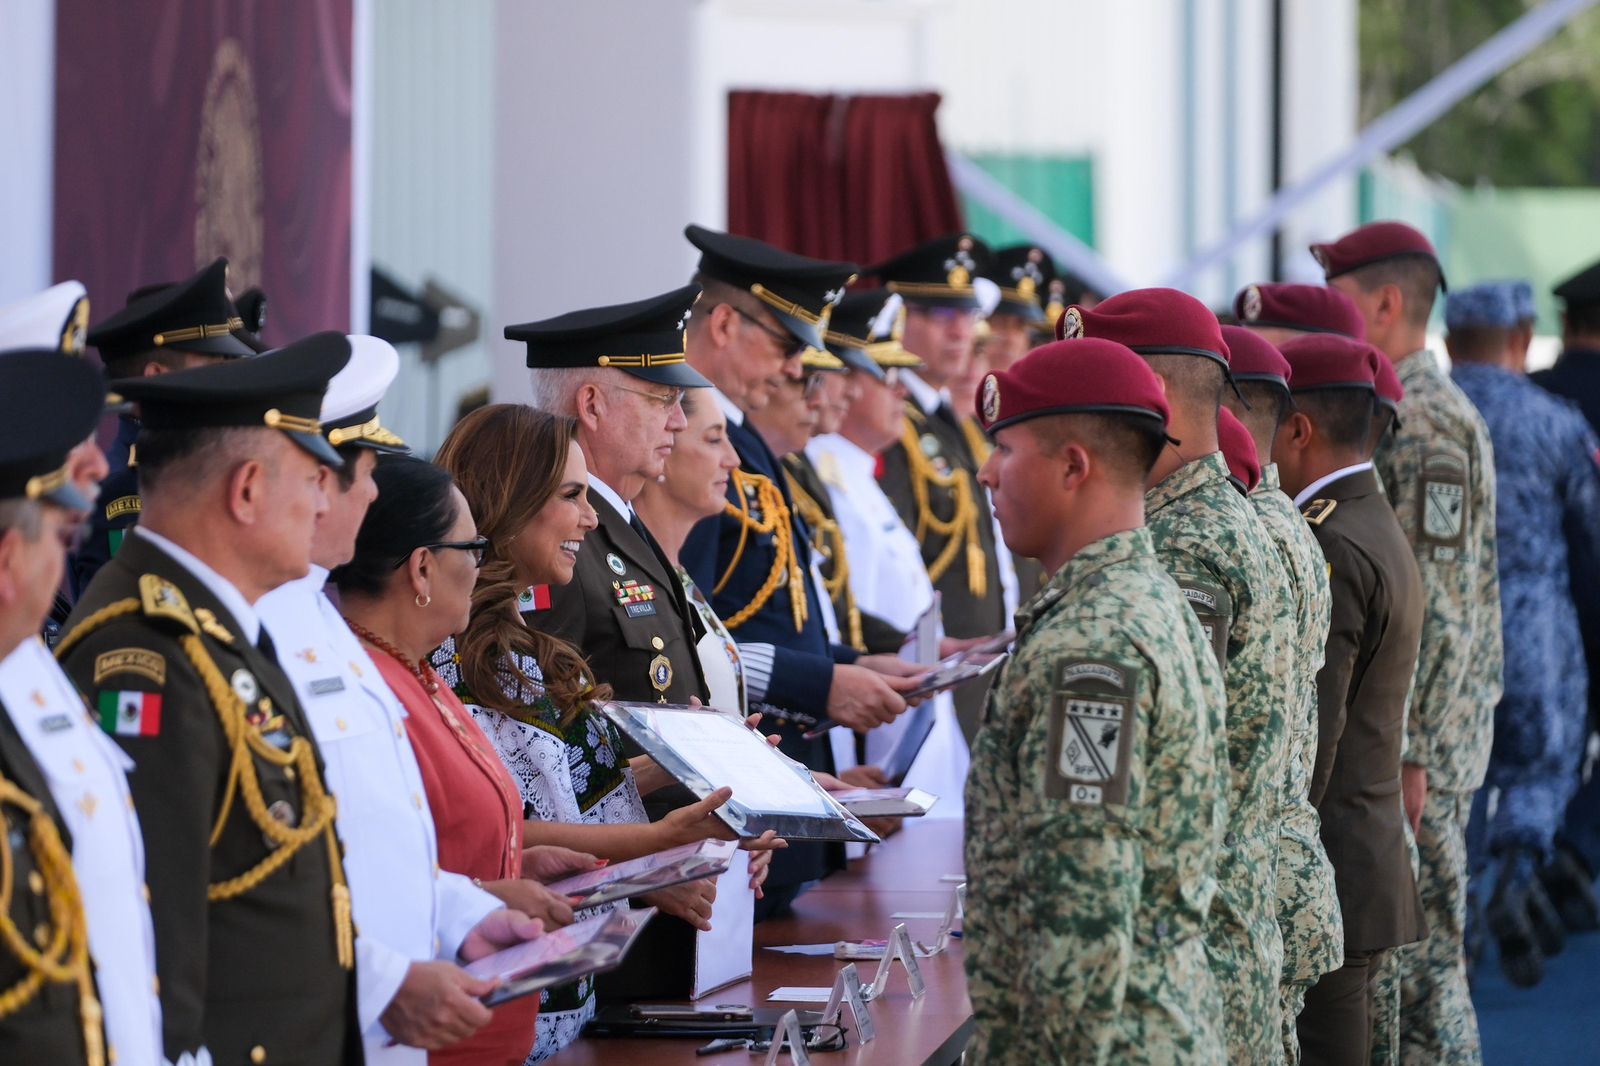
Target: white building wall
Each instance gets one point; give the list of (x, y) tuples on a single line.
[(27, 129)]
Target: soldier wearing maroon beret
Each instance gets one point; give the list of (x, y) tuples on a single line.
[(1279, 310), (1216, 548), (1239, 451), (1099, 775), (1361, 690), (1308, 905), (1437, 468)]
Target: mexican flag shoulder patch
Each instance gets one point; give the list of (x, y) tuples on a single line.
[(130, 714)]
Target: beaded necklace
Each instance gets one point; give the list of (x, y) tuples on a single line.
[(421, 668)]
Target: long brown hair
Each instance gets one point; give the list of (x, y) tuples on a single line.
[(508, 461)]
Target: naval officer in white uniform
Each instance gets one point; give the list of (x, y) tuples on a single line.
[(413, 919), (86, 772)]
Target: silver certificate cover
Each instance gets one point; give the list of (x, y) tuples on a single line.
[(707, 750)]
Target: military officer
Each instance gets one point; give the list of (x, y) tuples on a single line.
[(761, 309), (1361, 690), (414, 919), (1576, 376), (74, 859), (1216, 548), (1437, 468), (55, 320), (163, 328), (1308, 903), (931, 473), (1548, 526), (248, 890), (619, 371), (1097, 797)]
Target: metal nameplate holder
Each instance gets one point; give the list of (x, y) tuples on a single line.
[(956, 911), (848, 989), (899, 947), (787, 1031)]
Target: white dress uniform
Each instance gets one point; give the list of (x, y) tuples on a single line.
[(406, 909), (87, 774), (889, 580)]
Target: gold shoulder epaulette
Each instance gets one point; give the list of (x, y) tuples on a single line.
[(160, 598), (1317, 511), (212, 628)]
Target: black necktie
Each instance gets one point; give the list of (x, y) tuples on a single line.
[(675, 590), (265, 646)]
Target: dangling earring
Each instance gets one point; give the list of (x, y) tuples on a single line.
[(421, 601)]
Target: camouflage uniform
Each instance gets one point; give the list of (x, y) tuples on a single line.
[(1090, 868), (1214, 546), (1308, 904), (1438, 471)]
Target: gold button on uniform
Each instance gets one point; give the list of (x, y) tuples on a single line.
[(657, 643), (341, 724), (36, 882), (416, 799), (155, 985), (258, 1055), (41, 935), (144, 890)]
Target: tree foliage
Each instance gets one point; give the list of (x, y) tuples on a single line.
[(1537, 123)]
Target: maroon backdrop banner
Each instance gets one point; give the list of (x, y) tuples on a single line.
[(196, 128)]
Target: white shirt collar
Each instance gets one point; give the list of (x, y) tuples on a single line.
[(1325, 480), (729, 408), (924, 395), (224, 590), (609, 494), (855, 460)]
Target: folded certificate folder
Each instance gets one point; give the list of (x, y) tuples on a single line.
[(591, 946), (707, 750), (691, 862), (886, 802)]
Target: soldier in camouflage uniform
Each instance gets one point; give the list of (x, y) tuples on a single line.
[(1548, 521), (1308, 905), (1212, 543), (1437, 469), (1097, 794)]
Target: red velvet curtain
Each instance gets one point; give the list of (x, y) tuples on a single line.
[(858, 178)]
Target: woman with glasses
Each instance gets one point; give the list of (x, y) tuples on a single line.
[(409, 587), (525, 479)]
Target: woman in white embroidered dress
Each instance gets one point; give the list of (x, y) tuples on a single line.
[(525, 480)]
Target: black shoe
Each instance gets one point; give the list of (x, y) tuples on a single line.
[(1546, 922), (1520, 958), (1571, 891)]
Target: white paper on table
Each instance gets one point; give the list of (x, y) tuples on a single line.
[(714, 748), (799, 994), (727, 953), (803, 949)]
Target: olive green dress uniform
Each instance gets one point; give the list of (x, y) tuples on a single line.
[(1308, 902), (865, 632), (1361, 694), (931, 475), (253, 936), (49, 1012)]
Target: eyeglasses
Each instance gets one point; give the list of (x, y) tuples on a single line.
[(813, 382), (673, 397), (789, 344), (477, 546)]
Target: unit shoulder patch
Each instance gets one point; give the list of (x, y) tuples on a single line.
[(1214, 608), (1442, 500), (141, 662), (1091, 732)]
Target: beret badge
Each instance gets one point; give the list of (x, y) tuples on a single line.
[(1071, 324), (991, 398), (1250, 307)]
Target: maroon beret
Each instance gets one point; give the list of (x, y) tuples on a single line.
[(1151, 322), (1255, 358), (1328, 361), (1239, 449), (1387, 383), (1308, 308), (1080, 377), (1373, 243)]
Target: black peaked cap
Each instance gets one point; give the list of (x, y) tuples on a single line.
[(194, 315), (643, 338), (49, 404), (798, 290), (938, 272)]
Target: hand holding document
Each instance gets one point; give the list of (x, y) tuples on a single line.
[(592, 946)]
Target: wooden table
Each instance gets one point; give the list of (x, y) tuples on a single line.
[(901, 874)]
